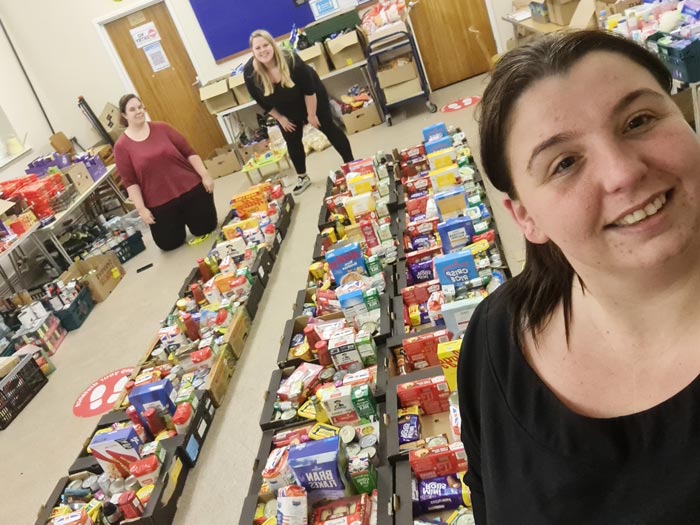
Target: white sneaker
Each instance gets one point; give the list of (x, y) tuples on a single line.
[(302, 184)]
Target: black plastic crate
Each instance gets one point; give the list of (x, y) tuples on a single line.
[(263, 265), (73, 317), (191, 278), (130, 247), (18, 388), (255, 297)]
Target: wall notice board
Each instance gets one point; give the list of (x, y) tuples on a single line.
[(227, 24)]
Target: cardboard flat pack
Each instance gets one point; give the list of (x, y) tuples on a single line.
[(237, 85), (101, 273), (217, 96), (315, 56), (222, 161), (403, 69), (345, 50), (109, 118), (362, 119), (402, 91), (79, 176)]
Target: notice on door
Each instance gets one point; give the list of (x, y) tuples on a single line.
[(156, 57), (145, 34)]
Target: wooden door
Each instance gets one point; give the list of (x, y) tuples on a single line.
[(168, 94), (450, 52)]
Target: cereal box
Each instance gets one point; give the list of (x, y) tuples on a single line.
[(448, 355), (116, 450), (431, 394), (338, 405), (347, 264), (319, 467), (441, 460), (421, 350)]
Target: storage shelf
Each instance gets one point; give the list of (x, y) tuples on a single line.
[(8, 160)]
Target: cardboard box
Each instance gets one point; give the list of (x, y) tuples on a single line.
[(220, 374), (246, 152), (107, 274), (402, 91), (223, 161), (237, 332), (613, 7), (539, 11), (217, 96), (315, 56), (109, 118), (78, 175), (345, 50), (362, 119), (240, 91), (403, 70), (561, 12)]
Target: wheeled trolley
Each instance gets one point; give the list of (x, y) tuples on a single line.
[(401, 84)]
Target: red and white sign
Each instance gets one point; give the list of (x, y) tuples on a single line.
[(145, 34), (460, 104), (100, 396)]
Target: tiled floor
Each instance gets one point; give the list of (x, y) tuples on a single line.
[(41, 443)]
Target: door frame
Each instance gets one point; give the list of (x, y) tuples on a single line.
[(100, 25)]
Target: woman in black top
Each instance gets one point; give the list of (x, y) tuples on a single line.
[(292, 92), (578, 379)]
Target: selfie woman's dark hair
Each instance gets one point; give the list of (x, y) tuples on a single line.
[(122, 107), (547, 277)]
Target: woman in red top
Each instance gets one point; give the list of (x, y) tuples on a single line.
[(166, 180)]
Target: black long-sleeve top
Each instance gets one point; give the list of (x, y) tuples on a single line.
[(534, 461), (288, 101)]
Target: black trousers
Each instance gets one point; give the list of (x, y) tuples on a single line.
[(194, 209), (336, 137)]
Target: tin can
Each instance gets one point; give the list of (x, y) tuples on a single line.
[(104, 482), (131, 483), (353, 449), (76, 484), (370, 440), (373, 456), (288, 415), (347, 434), (327, 374), (91, 483), (117, 487), (436, 441)]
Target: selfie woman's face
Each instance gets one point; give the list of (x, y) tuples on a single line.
[(605, 166), (262, 50)]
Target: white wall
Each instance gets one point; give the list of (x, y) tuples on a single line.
[(502, 30), (21, 109)]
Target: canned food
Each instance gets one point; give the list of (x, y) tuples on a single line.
[(373, 456), (288, 415), (370, 440), (327, 374), (347, 434), (117, 486), (131, 483), (91, 483), (436, 441), (353, 450)]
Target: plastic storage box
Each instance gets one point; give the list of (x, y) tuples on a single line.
[(18, 388)]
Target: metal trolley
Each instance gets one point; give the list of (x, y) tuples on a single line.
[(394, 44)]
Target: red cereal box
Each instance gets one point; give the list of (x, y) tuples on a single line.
[(411, 153), (421, 350), (442, 460), (416, 207), (430, 394), (420, 293), (369, 234), (418, 184), (354, 510), (358, 166)]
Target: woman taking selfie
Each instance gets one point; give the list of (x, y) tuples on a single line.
[(578, 378), (292, 92)]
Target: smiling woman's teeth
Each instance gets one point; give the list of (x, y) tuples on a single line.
[(642, 213)]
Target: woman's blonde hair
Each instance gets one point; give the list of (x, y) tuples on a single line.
[(261, 75)]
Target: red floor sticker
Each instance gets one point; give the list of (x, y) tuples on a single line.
[(100, 396), (460, 104)]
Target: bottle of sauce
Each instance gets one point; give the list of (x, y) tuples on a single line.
[(191, 328), (198, 294), (324, 358), (204, 270)]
